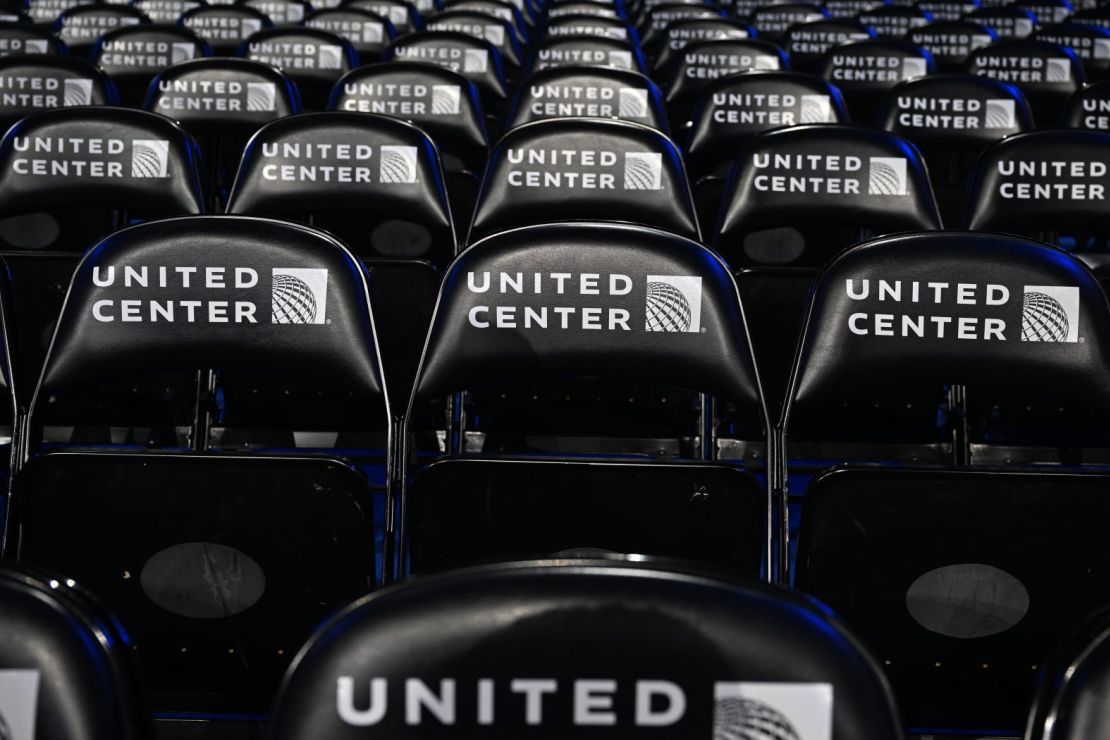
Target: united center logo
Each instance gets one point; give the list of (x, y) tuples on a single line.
[(887, 176), (643, 171), (620, 59), (1050, 314), (1058, 70), (77, 92), (261, 97), (397, 164), (632, 103), (772, 711), (914, 67), (182, 52), (475, 61), (673, 304), (299, 295), (446, 100), (816, 109), (150, 158), (999, 114), (330, 56), (19, 690)]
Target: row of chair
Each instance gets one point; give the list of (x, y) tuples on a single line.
[(216, 567), (620, 647)]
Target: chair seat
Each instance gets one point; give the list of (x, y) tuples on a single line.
[(958, 581), (469, 509), (219, 567)]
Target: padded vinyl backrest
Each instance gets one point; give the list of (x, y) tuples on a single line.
[(593, 92), (953, 109), (216, 292), (589, 299), (955, 307), (737, 107), (99, 157), (138, 53), (838, 174), (475, 59), (339, 161), (566, 51), (1042, 181), (442, 103), (581, 170), (65, 670), (223, 96), (583, 649), (17, 38), (42, 81)]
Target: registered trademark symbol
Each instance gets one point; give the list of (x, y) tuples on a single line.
[(704, 330), (327, 321), (1082, 340)]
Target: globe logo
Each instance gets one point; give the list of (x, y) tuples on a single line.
[(668, 309), (748, 719), (293, 301), (1043, 319)]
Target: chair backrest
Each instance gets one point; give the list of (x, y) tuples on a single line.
[(166, 11), (1008, 21), (369, 33), (215, 292), (475, 59), (582, 50), (16, 38), (1089, 108), (1090, 43), (217, 97), (133, 55), (660, 16), (444, 104), (951, 307), (591, 92), (807, 43), (1040, 182), (865, 70), (584, 170), (589, 300), (894, 21), (735, 108), (1048, 74), (773, 21), (377, 169), (42, 81), (955, 112), (314, 59), (950, 41), (948, 10), (702, 62), (498, 31), (65, 666), (80, 27), (813, 178), (282, 12), (224, 27), (405, 17), (570, 647), (102, 158), (679, 33)]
